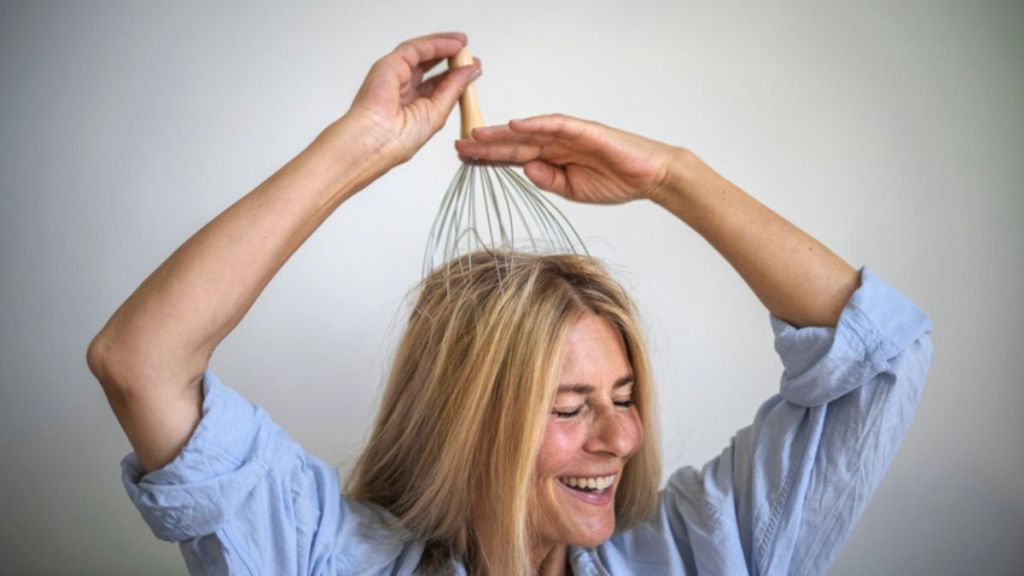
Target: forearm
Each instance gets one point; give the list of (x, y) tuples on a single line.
[(796, 277), (175, 319)]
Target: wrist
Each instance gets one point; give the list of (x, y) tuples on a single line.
[(356, 152), (680, 174)]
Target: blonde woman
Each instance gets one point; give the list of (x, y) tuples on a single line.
[(516, 434)]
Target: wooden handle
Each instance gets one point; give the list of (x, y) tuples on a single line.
[(471, 117)]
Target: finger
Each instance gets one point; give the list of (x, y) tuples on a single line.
[(496, 132), (448, 89), (425, 67), (417, 75), (427, 87), (503, 133), (514, 153), (456, 35), (558, 125), (547, 177), (428, 48)]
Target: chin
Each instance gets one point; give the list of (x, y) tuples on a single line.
[(589, 537), (595, 540)]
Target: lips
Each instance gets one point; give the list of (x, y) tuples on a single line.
[(594, 490), (588, 483)]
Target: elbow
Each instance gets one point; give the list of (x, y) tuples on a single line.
[(110, 362), (98, 356), (116, 370), (125, 363)]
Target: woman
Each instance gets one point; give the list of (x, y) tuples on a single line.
[(516, 432)]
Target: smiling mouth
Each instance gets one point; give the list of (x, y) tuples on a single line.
[(591, 485)]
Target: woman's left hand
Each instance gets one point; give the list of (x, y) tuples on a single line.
[(582, 160), (396, 109)]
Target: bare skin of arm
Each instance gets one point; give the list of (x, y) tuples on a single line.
[(151, 355), (796, 277)]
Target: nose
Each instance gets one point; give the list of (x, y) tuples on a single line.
[(613, 432)]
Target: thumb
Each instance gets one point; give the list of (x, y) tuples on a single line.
[(547, 176), (447, 92)]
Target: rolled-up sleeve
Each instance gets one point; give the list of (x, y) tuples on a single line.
[(227, 455), (243, 497), (817, 452), (786, 492)]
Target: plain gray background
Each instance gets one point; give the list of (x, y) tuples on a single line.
[(893, 132)]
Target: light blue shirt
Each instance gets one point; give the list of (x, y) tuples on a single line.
[(243, 497)]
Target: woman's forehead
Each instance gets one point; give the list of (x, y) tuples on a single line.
[(584, 388), (594, 355)]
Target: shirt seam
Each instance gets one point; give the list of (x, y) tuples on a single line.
[(862, 327), (774, 513), (830, 519)]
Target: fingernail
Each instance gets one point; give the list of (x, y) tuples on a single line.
[(476, 74)]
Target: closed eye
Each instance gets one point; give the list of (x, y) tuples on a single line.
[(568, 413), (576, 412)]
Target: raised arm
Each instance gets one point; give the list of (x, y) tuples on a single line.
[(151, 355), (796, 277)]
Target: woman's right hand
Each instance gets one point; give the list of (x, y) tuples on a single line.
[(396, 109), (579, 159), (797, 278), (153, 353)]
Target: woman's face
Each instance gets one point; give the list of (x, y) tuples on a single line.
[(591, 433)]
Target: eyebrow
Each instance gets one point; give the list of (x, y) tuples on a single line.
[(587, 388)]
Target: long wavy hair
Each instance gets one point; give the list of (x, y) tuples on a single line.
[(453, 450)]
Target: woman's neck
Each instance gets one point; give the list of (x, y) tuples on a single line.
[(554, 561)]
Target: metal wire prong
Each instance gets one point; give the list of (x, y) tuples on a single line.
[(517, 216)]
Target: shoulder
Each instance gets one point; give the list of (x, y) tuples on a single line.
[(244, 493)]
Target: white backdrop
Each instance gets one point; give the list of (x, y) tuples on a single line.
[(894, 134)]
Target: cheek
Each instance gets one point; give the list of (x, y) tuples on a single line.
[(634, 428), (562, 443)]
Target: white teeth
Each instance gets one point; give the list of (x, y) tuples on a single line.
[(588, 483)]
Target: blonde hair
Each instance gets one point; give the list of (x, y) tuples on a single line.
[(454, 446)]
